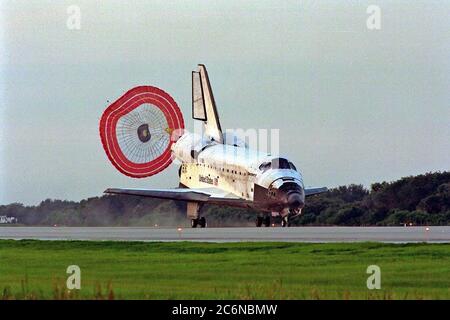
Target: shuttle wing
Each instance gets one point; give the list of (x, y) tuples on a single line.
[(201, 195), (313, 191)]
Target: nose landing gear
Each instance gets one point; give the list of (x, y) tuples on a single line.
[(284, 219), (285, 222)]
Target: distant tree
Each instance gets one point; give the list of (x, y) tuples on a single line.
[(349, 216), (437, 202), (349, 193)]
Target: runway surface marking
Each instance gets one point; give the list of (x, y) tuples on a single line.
[(300, 234)]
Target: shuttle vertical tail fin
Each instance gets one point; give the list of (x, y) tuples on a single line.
[(203, 104)]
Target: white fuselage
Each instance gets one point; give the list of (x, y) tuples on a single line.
[(230, 169)]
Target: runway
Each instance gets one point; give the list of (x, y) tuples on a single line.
[(301, 234)]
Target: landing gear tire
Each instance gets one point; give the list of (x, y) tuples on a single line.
[(285, 222), (199, 222), (259, 221), (267, 221)]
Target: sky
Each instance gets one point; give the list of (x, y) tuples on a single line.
[(353, 105)]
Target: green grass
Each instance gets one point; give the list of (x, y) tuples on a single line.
[(185, 270)]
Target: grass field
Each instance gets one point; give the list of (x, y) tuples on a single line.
[(186, 270)]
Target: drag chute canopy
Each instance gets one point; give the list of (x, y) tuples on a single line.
[(138, 130)]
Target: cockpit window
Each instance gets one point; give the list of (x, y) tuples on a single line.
[(291, 165), (280, 163), (265, 166)]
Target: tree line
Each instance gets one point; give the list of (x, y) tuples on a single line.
[(414, 200)]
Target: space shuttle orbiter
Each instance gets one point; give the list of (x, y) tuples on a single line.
[(143, 131)]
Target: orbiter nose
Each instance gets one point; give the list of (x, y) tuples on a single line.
[(295, 200)]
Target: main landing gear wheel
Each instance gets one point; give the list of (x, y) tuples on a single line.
[(267, 221), (259, 221), (198, 222), (263, 221)]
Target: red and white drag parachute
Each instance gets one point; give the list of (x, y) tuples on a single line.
[(138, 130)]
